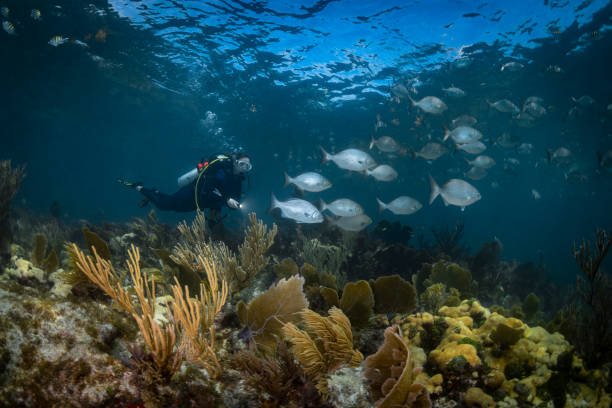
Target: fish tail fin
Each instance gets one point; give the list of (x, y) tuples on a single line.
[(412, 102), (446, 132), (467, 161), (287, 180), (371, 142), (413, 153), (322, 205), (435, 189), (273, 202), (326, 156), (381, 206)]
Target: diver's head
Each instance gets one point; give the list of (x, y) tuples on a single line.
[(242, 163)]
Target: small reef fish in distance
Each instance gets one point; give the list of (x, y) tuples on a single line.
[(57, 40), (387, 144), (309, 181), (504, 106), (454, 192), (4, 11), (431, 151), (535, 194), (402, 205), (342, 207), (35, 14), (430, 104), (8, 27), (301, 211), (349, 159), (454, 91)]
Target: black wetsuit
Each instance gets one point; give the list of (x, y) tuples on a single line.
[(216, 186)]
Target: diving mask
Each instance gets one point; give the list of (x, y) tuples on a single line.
[(243, 165)]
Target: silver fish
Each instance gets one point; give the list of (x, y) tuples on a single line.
[(560, 156), (504, 106), (400, 91), (464, 120), (534, 109), (512, 66), (350, 159), (484, 162), (511, 164), (524, 119), (342, 207), (476, 147), (402, 205), (301, 211), (8, 27), (535, 99), (507, 141), (309, 181), (575, 176), (462, 134), (387, 144), (383, 172), (354, 223), (455, 192), (605, 160), (476, 173), (431, 151), (585, 101), (524, 148), (430, 104), (454, 92), (535, 194)]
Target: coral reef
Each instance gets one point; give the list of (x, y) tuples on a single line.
[(392, 294), (392, 371), (325, 346), (265, 315)]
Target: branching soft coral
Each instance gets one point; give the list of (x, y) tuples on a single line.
[(594, 329), (325, 346), (189, 335)]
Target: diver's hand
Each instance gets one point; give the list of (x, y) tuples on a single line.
[(231, 203)]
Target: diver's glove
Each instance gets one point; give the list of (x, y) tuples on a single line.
[(231, 203)]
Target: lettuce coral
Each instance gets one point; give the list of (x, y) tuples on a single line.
[(392, 371)]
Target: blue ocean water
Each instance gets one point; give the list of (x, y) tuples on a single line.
[(143, 90)]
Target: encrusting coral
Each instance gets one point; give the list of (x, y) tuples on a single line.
[(265, 315), (325, 346), (392, 371)]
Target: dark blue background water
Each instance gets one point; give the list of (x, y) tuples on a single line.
[(316, 73)]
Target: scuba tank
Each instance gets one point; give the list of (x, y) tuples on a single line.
[(188, 177)]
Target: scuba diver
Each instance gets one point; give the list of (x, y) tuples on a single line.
[(212, 184)]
